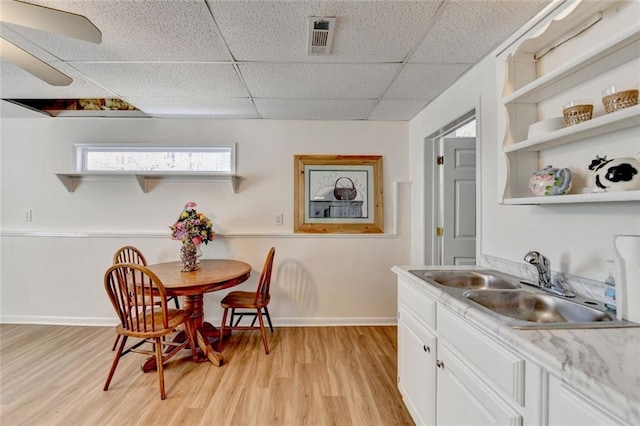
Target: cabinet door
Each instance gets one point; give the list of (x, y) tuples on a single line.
[(417, 368), (464, 399), (567, 407)]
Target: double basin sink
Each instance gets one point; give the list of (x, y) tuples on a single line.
[(520, 304)]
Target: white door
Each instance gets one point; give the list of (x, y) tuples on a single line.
[(458, 240)]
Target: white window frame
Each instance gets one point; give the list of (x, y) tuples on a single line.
[(82, 149)]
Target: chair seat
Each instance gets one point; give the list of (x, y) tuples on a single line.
[(243, 299), (175, 318)]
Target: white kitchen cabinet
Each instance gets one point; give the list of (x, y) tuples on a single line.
[(439, 384), (489, 373), (417, 368), (568, 408), (463, 398), (573, 54)]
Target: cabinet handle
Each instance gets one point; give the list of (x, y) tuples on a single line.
[(426, 348), (440, 364)]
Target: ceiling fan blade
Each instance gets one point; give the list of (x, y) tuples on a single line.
[(32, 65), (50, 20)]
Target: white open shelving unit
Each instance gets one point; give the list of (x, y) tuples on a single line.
[(524, 90), (144, 179)]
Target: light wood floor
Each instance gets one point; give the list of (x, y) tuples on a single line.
[(53, 375)]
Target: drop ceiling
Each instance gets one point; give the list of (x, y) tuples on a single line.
[(248, 59)]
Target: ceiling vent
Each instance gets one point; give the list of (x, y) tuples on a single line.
[(321, 31)]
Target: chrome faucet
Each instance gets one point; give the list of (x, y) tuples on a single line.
[(543, 266)]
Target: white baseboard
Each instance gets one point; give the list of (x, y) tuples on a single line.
[(277, 322), (78, 321)]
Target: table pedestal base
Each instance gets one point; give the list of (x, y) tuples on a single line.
[(204, 332)]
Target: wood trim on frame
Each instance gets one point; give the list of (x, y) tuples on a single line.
[(303, 224)]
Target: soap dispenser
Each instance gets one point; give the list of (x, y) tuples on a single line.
[(610, 289)]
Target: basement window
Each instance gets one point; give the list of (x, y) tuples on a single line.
[(135, 158)]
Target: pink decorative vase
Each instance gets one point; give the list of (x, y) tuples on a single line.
[(188, 258)]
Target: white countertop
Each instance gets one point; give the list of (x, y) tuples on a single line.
[(603, 364)]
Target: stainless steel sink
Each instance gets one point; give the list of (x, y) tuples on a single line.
[(468, 279), (539, 308), (519, 304)]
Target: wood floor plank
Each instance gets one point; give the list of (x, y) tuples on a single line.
[(54, 375)]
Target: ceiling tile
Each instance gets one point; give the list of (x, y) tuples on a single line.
[(211, 108), (141, 30), (397, 110), (173, 80), (350, 81), (371, 31), (210, 58), (467, 29), (15, 83), (424, 81), (32, 48), (314, 109)]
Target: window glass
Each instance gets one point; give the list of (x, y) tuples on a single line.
[(468, 130), (157, 159)]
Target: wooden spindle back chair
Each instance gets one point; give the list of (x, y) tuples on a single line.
[(131, 254), (140, 301), (253, 304)]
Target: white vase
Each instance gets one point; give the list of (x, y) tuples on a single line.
[(198, 253)]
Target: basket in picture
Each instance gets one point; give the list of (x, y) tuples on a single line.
[(344, 189), (615, 99), (576, 112)]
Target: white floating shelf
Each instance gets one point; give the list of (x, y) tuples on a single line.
[(71, 180), (577, 198), (619, 120), (609, 54)]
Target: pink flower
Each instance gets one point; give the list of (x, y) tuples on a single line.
[(193, 226)]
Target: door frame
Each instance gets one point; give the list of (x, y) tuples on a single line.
[(431, 150)]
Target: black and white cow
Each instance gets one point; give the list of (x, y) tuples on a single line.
[(617, 174)]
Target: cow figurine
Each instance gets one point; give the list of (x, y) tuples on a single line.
[(617, 174)]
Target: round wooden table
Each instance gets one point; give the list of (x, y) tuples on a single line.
[(211, 275)]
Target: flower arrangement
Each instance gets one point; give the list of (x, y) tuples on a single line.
[(192, 225)]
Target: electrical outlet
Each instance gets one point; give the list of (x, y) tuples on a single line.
[(279, 219), (27, 215)]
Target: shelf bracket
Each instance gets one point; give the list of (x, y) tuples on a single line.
[(142, 181), (69, 181), (235, 183)]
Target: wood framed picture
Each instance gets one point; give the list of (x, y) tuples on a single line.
[(338, 194)]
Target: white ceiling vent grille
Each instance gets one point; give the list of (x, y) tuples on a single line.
[(321, 31)]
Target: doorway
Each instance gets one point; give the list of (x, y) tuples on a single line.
[(451, 193)]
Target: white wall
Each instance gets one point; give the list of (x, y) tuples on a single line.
[(578, 239), (52, 267)]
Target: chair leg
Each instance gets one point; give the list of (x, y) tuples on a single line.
[(224, 320), (175, 300), (114, 364), (160, 367), (115, 343), (266, 312), (264, 333), (233, 315)]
